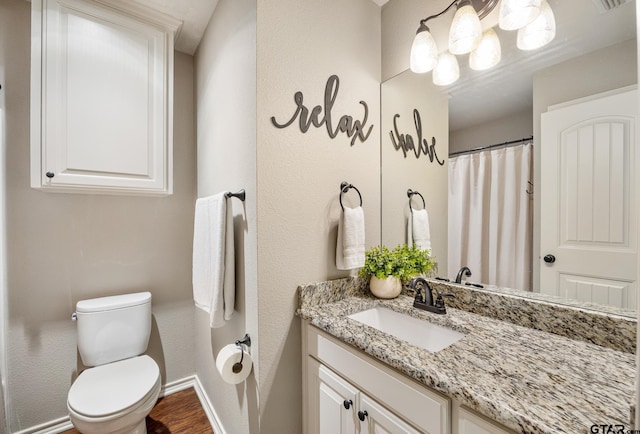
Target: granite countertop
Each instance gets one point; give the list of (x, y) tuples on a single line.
[(528, 380)]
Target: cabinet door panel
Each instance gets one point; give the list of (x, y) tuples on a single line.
[(332, 416), (381, 421), (469, 423), (101, 100)]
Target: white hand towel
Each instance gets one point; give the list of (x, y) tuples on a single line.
[(350, 244), (214, 259), (418, 230)]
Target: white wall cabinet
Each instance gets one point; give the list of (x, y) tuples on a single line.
[(101, 97), (340, 384)]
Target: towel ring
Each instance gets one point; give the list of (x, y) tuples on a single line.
[(344, 187), (410, 194)]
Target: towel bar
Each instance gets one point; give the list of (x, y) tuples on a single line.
[(240, 195), (410, 194), (344, 187)]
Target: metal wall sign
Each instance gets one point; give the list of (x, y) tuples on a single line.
[(406, 144), (321, 115)]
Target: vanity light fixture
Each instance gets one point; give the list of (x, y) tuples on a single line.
[(466, 31), (447, 70), (539, 32), (488, 53), (515, 14), (533, 19), (424, 53)]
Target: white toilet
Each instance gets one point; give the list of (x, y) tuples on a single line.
[(118, 392)]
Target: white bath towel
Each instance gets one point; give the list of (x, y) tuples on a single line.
[(214, 259), (350, 243), (418, 229)]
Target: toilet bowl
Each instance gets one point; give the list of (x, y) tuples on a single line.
[(115, 398)]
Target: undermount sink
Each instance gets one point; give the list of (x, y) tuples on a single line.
[(420, 333)]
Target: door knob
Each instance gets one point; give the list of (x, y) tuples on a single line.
[(549, 259)]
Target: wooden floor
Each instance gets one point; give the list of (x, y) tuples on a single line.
[(180, 412)]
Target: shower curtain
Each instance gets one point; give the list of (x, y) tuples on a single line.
[(490, 216)]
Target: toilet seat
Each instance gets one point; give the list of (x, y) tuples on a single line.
[(114, 389)]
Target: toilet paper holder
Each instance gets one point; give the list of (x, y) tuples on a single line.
[(237, 367)]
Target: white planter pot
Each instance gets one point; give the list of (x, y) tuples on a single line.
[(385, 288)]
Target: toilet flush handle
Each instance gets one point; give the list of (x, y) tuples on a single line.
[(74, 316)]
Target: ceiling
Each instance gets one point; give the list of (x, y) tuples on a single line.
[(194, 14)]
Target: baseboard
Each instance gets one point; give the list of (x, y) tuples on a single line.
[(51, 427), (214, 420), (63, 424)]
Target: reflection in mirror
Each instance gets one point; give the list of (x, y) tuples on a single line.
[(520, 98)]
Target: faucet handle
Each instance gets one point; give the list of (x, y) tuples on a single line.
[(440, 301)]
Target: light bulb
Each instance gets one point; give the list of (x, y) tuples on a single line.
[(487, 54), (515, 14), (447, 70), (424, 52), (466, 32), (540, 32)]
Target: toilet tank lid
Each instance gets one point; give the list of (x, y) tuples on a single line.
[(113, 302)]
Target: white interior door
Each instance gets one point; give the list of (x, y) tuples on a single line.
[(588, 222)]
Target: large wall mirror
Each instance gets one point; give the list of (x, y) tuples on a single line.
[(429, 130)]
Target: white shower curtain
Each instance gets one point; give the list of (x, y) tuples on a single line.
[(490, 216)]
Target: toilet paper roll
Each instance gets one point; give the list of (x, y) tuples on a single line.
[(229, 356)]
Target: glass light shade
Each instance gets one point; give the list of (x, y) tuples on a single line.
[(487, 54), (515, 14), (424, 53), (466, 32), (447, 70), (540, 32)]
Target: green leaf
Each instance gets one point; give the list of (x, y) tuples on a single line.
[(403, 262)]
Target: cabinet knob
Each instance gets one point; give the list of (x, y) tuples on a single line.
[(362, 415), (549, 259), (50, 175), (347, 403)]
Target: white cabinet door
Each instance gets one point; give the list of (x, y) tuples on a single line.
[(102, 95), (378, 420), (334, 411)]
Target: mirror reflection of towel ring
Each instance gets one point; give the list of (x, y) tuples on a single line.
[(410, 194), (344, 187)]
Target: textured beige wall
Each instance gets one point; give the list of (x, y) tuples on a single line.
[(4, 427), (62, 248), (301, 44), (512, 127), (226, 131), (401, 95)]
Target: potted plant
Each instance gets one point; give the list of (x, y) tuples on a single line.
[(387, 269)]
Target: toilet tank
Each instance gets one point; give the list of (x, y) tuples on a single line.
[(113, 328)]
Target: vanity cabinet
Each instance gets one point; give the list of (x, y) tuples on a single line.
[(341, 383), (336, 377), (101, 97), (467, 422), (343, 409)]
